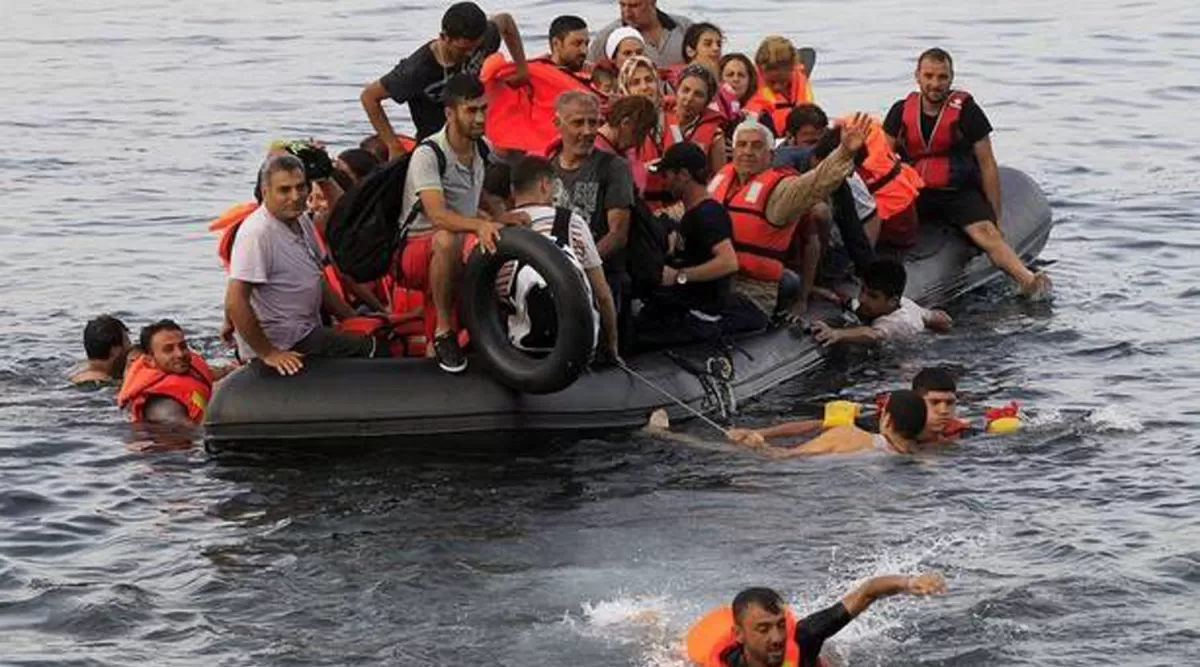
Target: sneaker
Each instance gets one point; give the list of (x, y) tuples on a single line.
[(449, 355)]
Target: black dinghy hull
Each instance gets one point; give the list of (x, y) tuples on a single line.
[(411, 404)]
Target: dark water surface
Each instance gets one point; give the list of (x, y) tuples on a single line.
[(127, 125)]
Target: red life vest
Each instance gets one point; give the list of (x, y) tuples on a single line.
[(761, 247), (702, 133), (142, 381), (942, 162), (894, 183), (710, 639), (523, 118), (779, 106)]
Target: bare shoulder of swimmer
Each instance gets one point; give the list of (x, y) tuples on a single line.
[(163, 410)]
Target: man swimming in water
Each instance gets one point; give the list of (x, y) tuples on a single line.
[(762, 634), (901, 424), (106, 342), (935, 385)]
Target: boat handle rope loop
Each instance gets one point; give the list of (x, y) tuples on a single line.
[(694, 412)]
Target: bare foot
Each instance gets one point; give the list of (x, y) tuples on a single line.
[(659, 421)]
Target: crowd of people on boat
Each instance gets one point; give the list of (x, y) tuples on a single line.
[(699, 194)]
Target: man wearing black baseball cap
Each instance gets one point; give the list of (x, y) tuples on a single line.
[(696, 301)]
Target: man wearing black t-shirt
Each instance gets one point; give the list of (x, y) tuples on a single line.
[(696, 300), (760, 637), (467, 38), (945, 135)]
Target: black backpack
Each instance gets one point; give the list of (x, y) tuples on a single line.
[(365, 232)]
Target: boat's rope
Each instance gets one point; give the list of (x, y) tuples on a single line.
[(694, 412)]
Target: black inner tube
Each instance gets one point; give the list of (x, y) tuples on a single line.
[(482, 314)]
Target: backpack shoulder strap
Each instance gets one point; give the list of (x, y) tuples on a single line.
[(562, 226), (484, 150), (437, 152)]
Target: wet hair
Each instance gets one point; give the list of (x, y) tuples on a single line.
[(765, 598), (565, 25), (749, 65), (101, 335), (375, 146), (148, 332), (907, 409), (464, 20), (461, 88), (497, 180), (937, 55), (570, 97), (360, 161), (276, 164), (528, 171), (637, 109), (803, 115), (887, 276), (691, 38), (934, 378), (776, 50), (698, 71)]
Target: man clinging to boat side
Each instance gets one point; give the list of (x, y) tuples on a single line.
[(468, 36), (945, 135), (767, 203), (889, 315), (168, 382), (759, 630)]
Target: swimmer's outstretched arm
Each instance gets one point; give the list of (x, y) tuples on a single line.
[(784, 430), (857, 600)]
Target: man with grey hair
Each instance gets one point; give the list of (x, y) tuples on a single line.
[(595, 184), (276, 287), (767, 203)]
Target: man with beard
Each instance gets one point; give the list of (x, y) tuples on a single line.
[(944, 134), (759, 630)]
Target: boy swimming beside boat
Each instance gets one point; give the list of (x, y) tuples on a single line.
[(936, 386), (901, 423)]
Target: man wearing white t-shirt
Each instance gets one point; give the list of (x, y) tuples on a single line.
[(889, 315), (533, 186)]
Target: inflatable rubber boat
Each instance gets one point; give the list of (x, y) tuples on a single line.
[(410, 403)]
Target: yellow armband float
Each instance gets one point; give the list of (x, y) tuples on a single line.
[(840, 413)]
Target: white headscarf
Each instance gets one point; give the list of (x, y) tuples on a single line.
[(619, 35)]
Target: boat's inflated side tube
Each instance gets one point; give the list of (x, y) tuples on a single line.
[(484, 320)]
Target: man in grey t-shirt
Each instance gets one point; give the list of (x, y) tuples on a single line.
[(596, 185), (276, 287), (448, 201), (662, 32)]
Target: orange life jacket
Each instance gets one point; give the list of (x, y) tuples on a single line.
[(779, 106), (941, 162), (523, 118), (231, 221), (702, 134), (711, 638), (142, 381), (894, 184), (761, 247)]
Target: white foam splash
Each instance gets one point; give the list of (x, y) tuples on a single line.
[(1113, 418), (642, 620), (1042, 417)]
